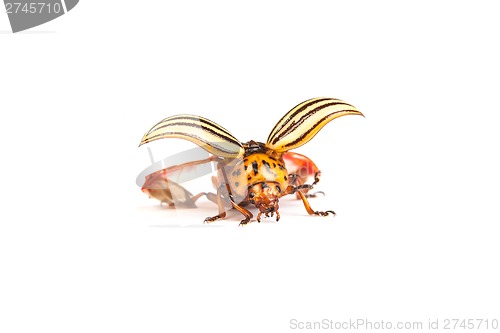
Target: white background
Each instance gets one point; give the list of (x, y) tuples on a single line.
[(415, 184)]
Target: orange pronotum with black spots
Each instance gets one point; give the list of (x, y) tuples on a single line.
[(253, 172)]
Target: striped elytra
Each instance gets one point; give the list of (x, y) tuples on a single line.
[(305, 120), (203, 132)]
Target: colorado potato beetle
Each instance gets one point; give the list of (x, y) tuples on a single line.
[(252, 172)]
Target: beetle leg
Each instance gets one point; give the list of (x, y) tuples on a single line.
[(222, 212), (220, 204), (298, 182), (308, 187), (316, 178), (305, 187), (289, 190), (210, 196), (314, 195), (309, 209), (248, 215)]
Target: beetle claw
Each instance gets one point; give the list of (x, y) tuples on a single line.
[(244, 222), (213, 218), (325, 213), (208, 220), (315, 194)]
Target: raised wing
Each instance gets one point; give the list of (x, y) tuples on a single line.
[(205, 133), (305, 120)]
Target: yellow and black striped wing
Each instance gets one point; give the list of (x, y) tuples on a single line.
[(305, 120), (205, 133)]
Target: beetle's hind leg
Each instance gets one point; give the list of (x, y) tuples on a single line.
[(210, 196), (217, 198), (222, 210)]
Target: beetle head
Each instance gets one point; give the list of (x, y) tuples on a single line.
[(265, 196)]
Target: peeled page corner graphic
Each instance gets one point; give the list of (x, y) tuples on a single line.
[(26, 14)]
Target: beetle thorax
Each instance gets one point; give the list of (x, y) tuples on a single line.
[(254, 169)]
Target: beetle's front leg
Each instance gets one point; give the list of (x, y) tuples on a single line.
[(316, 178), (299, 183), (308, 187), (309, 209), (248, 215), (294, 189), (313, 195)]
